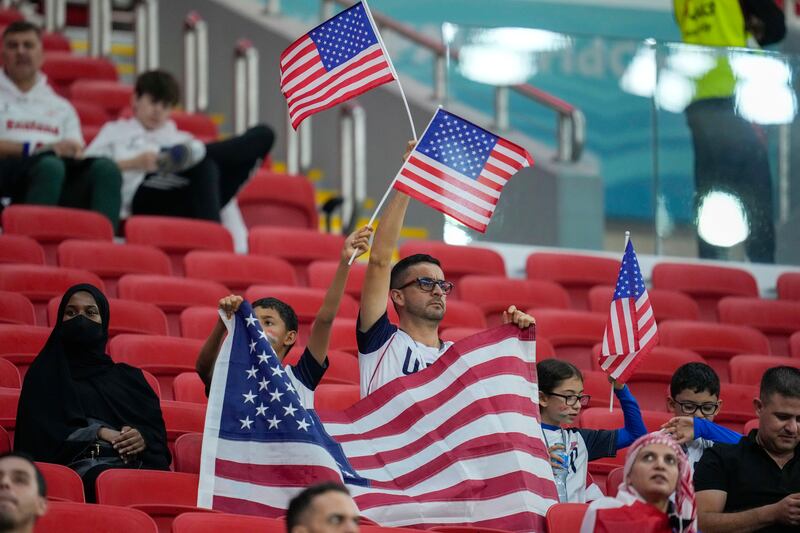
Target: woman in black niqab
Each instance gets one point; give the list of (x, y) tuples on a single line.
[(74, 392)]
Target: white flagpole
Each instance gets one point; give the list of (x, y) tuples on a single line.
[(611, 402), (389, 189), (394, 73)]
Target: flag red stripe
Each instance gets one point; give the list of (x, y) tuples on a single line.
[(275, 475), (427, 200), (450, 179), (508, 145), (314, 62), (238, 506), (489, 183), (329, 88), (624, 323), (298, 42), (299, 91), (296, 120), (505, 159), (409, 173), (497, 170)]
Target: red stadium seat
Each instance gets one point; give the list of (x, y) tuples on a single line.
[(335, 397), (494, 294), (750, 426), (572, 333), (9, 375), (794, 345), (90, 114), (298, 246), (63, 483), (705, 283), (774, 318), (71, 517), (198, 321), (466, 529), (666, 304), (188, 387), (177, 236), (198, 124), (9, 15), (343, 336), (596, 384), (171, 294), (55, 42), (20, 249), (51, 225), (111, 261), (278, 200), (164, 357), (21, 344), (40, 283), (455, 334), (89, 132), (16, 309), (5, 441), (458, 261), (737, 405), (320, 276), (126, 317), (575, 272), (161, 494), (188, 448), (748, 369), (111, 96), (213, 523), (181, 418), (153, 382), (716, 342), (789, 286), (9, 400), (462, 314), (383, 529), (342, 369), (64, 68), (566, 517), (238, 271), (613, 480)]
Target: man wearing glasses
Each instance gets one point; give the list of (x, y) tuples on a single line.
[(418, 290)]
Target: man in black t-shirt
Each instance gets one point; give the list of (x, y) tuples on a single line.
[(754, 485)]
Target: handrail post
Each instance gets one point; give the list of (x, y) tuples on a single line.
[(195, 63), (359, 161), (305, 144), (346, 163), (273, 7), (501, 119), (352, 161), (784, 172), (326, 9), (99, 28), (440, 77), (292, 147), (245, 85), (146, 12), (55, 15)]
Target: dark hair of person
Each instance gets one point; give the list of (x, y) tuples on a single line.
[(399, 270), (284, 310), (784, 380), (22, 26), (696, 377), (159, 85), (552, 372), (300, 503), (40, 482)]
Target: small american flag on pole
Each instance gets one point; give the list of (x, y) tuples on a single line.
[(631, 328), (338, 60), (460, 169), (456, 443)]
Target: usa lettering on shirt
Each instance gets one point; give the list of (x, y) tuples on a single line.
[(386, 352)]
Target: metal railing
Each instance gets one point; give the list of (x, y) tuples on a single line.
[(55, 15), (146, 13), (245, 86), (298, 146), (99, 28), (352, 160), (195, 63)]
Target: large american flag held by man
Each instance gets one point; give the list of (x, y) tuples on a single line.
[(338, 60), (631, 330), (456, 443), (460, 169)]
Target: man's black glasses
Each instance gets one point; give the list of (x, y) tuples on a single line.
[(427, 284)]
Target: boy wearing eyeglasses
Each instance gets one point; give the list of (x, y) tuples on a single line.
[(694, 400)]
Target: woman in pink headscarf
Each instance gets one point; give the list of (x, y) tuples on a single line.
[(656, 494)]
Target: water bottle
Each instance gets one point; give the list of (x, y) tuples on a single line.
[(560, 476), (180, 156)]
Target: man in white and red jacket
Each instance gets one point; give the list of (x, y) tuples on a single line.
[(41, 146)]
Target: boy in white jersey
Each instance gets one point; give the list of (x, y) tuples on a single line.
[(279, 322), (41, 146), (418, 291)]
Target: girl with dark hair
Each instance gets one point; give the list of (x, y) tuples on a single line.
[(79, 408), (561, 399)]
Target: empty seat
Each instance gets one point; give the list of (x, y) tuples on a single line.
[(63, 68), (335, 397), (566, 517), (188, 448), (666, 304), (750, 425), (111, 96), (9, 400), (9, 15), (748, 369), (111, 261), (5, 441), (342, 368), (16, 309), (737, 405), (181, 418), (788, 286), (278, 200), (298, 246), (458, 261), (494, 294), (596, 384), (320, 276), (171, 294), (177, 236), (126, 316), (716, 342), (161, 494), (153, 382), (613, 481), (40, 283), (577, 273), (572, 333), (9, 375), (462, 314), (774, 318), (63, 483), (20, 249), (55, 42), (238, 271), (64, 517), (343, 336), (794, 345), (213, 523), (21, 344), (600, 418), (188, 387), (90, 114), (705, 283), (51, 225), (198, 124), (198, 321)]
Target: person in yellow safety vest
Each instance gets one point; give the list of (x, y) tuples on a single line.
[(730, 153)]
